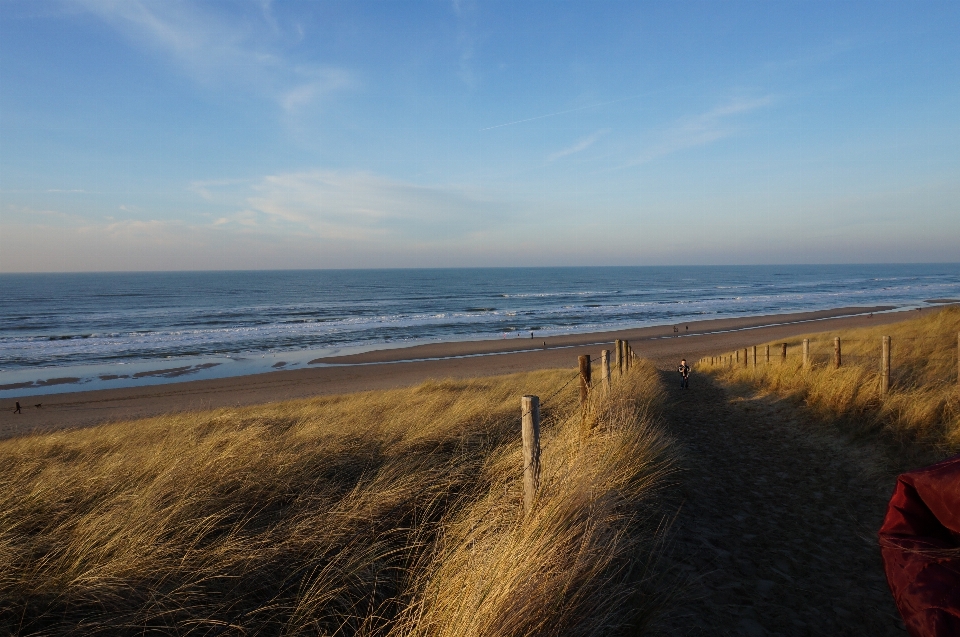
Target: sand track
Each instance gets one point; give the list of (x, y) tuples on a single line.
[(776, 532)]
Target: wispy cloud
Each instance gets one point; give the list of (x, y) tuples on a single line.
[(700, 130), (316, 84), (582, 144), (242, 48), (465, 11), (352, 206)]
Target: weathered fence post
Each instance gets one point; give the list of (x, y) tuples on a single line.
[(836, 352), (768, 354), (738, 357), (754, 355), (584, 362), (530, 429), (619, 357), (605, 368), (885, 366), (806, 353), (783, 352), (744, 356), (626, 356)]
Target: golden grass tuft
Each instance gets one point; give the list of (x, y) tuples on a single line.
[(395, 512), (924, 400)]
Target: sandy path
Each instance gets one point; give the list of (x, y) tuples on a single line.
[(777, 526)]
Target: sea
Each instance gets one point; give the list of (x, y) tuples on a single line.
[(75, 332)]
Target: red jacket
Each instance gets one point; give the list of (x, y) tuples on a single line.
[(920, 545)]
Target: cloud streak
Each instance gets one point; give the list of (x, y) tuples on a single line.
[(581, 145), (699, 130), (217, 48)]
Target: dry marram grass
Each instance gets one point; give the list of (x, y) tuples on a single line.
[(392, 512), (923, 403)]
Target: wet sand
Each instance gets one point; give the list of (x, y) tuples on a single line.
[(403, 367)]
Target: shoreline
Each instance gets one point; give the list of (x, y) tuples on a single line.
[(492, 347), (402, 367)]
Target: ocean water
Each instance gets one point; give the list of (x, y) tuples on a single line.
[(67, 332)]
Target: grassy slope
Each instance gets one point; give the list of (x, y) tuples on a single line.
[(379, 513), (923, 404)]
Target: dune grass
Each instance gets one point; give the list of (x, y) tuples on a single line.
[(923, 404), (380, 513)]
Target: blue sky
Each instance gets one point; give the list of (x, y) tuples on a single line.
[(245, 135)]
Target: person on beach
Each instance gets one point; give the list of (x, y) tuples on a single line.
[(17, 410), (684, 370)]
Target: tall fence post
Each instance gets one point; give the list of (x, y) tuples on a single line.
[(605, 368), (619, 357), (530, 429), (744, 356), (783, 352), (626, 356), (754, 355), (768, 354), (806, 353), (836, 352), (584, 362), (885, 366), (738, 357)]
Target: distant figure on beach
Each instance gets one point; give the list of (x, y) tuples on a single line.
[(531, 334), (675, 329), (684, 370), (686, 328), (17, 410)]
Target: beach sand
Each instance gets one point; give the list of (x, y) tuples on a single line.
[(386, 369)]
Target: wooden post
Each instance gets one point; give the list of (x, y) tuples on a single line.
[(754, 355), (619, 357), (530, 418), (806, 353), (768, 354), (738, 357), (744, 356), (885, 366), (605, 368), (584, 362), (783, 352), (836, 352), (626, 356)]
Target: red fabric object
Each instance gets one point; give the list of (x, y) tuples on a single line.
[(920, 545)]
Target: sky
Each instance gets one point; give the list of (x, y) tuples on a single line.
[(179, 135)]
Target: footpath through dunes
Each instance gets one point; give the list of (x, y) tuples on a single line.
[(776, 530)]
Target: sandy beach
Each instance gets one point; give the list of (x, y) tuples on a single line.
[(402, 367)]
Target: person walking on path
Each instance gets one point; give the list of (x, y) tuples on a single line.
[(684, 370), (17, 410)]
